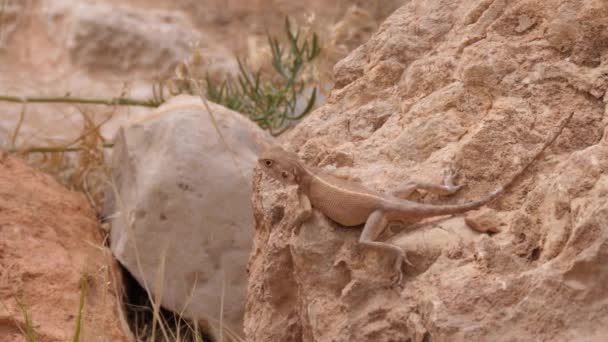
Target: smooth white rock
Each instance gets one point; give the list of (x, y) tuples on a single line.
[(181, 216)]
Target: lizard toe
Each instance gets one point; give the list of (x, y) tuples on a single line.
[(406, 261), (452, 189), (398, 278), (401, 258)]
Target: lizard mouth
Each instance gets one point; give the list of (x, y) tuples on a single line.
[(272, 179)]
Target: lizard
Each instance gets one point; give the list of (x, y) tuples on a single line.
[(349, 203)]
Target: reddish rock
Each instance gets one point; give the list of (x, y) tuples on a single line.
[(49, 242), (485, 220)]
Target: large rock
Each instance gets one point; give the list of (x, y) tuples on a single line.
[(50, 243), (182, 223), (125, 39), (483, 84)]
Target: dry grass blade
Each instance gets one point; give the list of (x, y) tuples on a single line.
[(199, 92), (19, 124), (91, 170), (141, 329), (160, 281), (129, 219)]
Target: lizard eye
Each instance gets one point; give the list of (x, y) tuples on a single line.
[(284, 174), (268, 163)]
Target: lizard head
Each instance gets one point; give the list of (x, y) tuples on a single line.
[(281, 165)]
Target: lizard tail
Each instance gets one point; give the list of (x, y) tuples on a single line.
[(428, 210)]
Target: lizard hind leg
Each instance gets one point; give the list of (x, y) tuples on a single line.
[(447, 188), (374, 225)]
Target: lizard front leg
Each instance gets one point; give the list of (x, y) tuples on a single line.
[(375, 224), (447, 188), (306, 212)]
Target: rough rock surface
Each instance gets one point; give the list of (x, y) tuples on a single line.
[(110, 38), (49, 241), (182, 221), (480, 83)]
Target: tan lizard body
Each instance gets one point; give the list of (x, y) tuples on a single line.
[(349, 203)]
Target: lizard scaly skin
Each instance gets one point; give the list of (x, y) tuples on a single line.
[(349, 203)]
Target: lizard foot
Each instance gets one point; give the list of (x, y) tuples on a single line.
[(398, 277), (448, 179), (401, 258)]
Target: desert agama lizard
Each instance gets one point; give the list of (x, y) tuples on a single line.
[(349, 203)]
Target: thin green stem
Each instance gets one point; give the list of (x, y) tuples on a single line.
[(116, 101), (48, 149)]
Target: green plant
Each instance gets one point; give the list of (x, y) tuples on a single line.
[(29, 326), (83, 294), (271, 100)]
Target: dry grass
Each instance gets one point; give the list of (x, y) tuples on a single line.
[(79, 164), (150, 322)]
